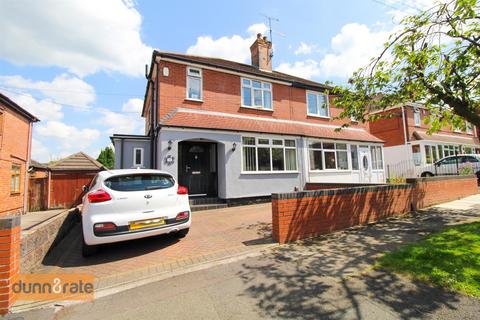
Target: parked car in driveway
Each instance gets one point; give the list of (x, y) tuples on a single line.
[(452, 165), (129, 204)]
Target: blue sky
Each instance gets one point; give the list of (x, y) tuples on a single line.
[(78, 65)]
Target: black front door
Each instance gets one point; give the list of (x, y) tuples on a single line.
[(197, 167)]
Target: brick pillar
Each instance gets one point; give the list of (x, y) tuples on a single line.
[(9, 259)]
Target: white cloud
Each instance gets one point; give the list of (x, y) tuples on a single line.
[(42, 109), (83, 36), (69, 138), (121, 123), (235, 47), (134, 105), (304, 69), (304, 48), (63, 89), (40, 152), (351, 49)]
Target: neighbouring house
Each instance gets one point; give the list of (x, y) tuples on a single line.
[(408, 146), (60, 184), (231, 130), (15, 149)]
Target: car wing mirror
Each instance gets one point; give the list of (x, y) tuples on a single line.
[(85, 188)]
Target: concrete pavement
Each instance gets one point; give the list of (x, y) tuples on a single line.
[(327, 277)]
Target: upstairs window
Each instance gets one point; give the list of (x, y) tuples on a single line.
[(194, 84), (138, 157), (417, 118), (256, 94), (468, 126), (317, 104)]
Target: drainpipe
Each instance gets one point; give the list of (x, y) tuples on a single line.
[(156, 109), (404, 125), (49, 184), (27, 164)]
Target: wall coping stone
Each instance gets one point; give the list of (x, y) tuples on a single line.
[(9, 222), (332, 192), (362, 189)]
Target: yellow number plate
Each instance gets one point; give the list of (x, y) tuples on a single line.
[(147, 223)]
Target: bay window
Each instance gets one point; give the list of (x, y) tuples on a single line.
[(256, 94), (317, 104), (268, 155)]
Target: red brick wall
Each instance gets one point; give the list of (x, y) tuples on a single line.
[(14, 140), (9, 260), (307, 214), (389, 130), (325, 185), (222, 93)]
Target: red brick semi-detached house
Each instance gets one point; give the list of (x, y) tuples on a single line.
[(233, 130), (409, 150), (15, 147)]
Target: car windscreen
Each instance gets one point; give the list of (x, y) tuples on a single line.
[(139, 182)]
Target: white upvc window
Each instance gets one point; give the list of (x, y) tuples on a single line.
[(328, 155), (469, 127), (256, 94), (138, 157), (263, 155), (377, 157), (417, 118), (317, 104), (194, 84)]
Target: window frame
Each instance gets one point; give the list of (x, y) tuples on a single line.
[(270, 146), (252, 95), (468, 128), (335, 151), (136, 165), (187, 85), (415, 113), (317, 94), (15, 178)]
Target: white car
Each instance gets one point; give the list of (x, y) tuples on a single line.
[(134, 203), (452, 165)]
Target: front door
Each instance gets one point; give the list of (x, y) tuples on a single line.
[(197, 167), (365, 165)]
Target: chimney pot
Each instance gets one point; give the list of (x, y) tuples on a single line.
[(265, 38), (259, 35)]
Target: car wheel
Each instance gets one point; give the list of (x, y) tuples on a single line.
[(182, 233), (88, 250), (426, 174)]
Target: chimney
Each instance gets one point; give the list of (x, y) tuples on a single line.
[(261, 51)]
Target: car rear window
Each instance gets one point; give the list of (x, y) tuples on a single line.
[(139, 182)]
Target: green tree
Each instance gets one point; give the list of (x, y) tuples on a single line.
[(107, 157), (434, 59)]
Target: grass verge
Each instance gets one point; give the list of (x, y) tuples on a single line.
[(449, 259)]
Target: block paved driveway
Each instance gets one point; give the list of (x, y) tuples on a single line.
[(215, 234)]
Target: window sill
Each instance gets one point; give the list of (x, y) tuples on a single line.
[(15, 193), (256, 108), (266, 172), (194, 100), (317, 116), (330, 171)]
